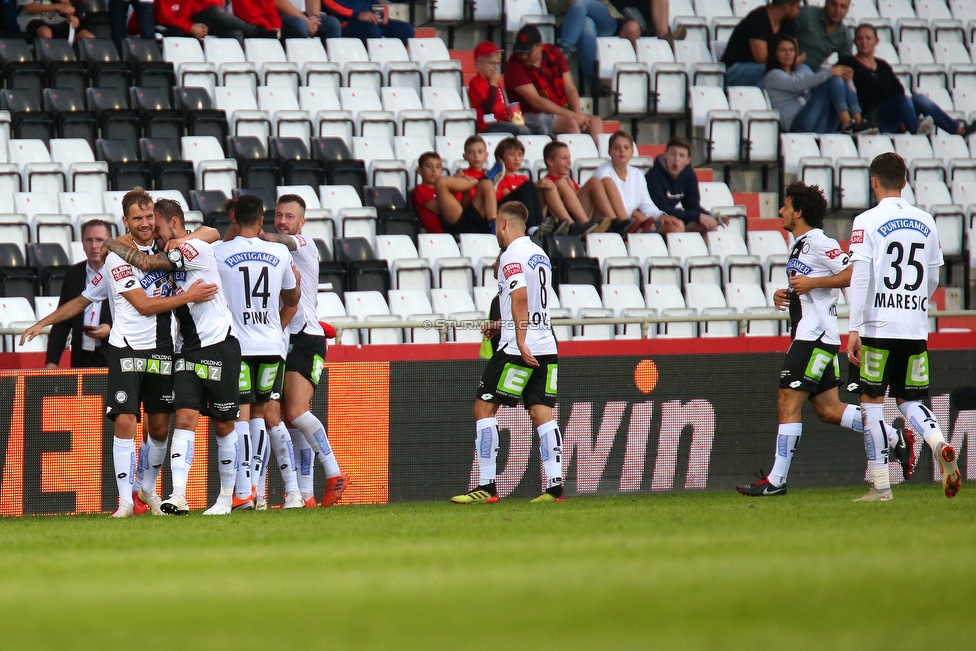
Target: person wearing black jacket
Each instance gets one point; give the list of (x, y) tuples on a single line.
[(673, 186), (90, 328), (882, 96)]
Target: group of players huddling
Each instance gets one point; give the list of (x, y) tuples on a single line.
[(231, 300), (249, 353)]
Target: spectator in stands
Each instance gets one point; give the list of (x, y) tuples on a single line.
[(466, 201), (90, 328), (261, 13), (430, 167), (820, 32), (571, 209), (747, 52), (487, 97), (808, 101), (883, 97), (359, 20), (118, 19), (304, 18), (200, 18), (510, 184), (44, 19), (627, 190), (538, 78), (673, 187), (647, 18)]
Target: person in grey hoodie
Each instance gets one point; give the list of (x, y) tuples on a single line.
[(821, 101)]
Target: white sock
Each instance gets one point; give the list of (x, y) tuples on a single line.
[(259, 444), (227, 463), (787, 437), (923, 422), (852, 419), (551, 449), (876, 443), (262, 480), (242, 487), (486, 447), (303, 462), (281, 440), (155, 458), (314, 432), (180, 458), (124, 458), (142, 462)]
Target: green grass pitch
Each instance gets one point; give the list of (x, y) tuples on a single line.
[(710, 570)]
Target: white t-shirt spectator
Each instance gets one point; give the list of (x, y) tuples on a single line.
[(633, 190)]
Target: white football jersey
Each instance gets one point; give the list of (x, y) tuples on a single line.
[(814, 314), (901, 243), (129, 328), (209, 322), (253, 273), (307, 260), (524, 264)]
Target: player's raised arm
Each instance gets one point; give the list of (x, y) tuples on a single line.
[(66, 311), (279, 238), (135, 257), (198, 292)]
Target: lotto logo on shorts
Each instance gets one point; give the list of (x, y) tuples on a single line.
[(511, 269), (188, 251), (857, 237), (121, 272)]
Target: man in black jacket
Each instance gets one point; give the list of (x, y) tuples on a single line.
[(673, 186), (90, 328)]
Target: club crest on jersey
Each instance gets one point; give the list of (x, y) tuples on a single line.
[(898, 224), (121, 272), (188, 251), (796, 266), (511, 269), (538, 259), (248, 256)]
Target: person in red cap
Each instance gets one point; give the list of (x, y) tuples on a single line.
[(538, 78), (487, 96)]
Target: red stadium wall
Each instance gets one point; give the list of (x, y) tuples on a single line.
[(647, 416)]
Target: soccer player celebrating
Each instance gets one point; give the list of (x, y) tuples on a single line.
[(258, 278), (140, 349), (817, 269), (896, 253), (208, 359), (303, 366), (525, 365)]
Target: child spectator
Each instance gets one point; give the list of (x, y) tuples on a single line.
[(46, 19), (466, 201), (571, 208), (627, 190), (510, 185), (673, 186), (486, 95), (431, 168)]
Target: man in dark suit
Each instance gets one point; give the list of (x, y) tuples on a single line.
[(90, 328)]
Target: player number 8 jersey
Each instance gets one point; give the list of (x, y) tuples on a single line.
[(524, 264)]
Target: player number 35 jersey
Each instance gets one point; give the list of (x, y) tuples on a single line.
[(524, 264), (901, 243)]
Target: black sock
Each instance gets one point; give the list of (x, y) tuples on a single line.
[(489, 488), (556, 491)]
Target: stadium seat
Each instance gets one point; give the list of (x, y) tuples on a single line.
[(228, 57), (357, 70), (482, 249), (338, 164), (295, 162), (149, 66), (111, 109), (451, 269), (63, 68), (571, 264), (722, 128), (452, 118), (169, 169), (748, 298), (439, 68), (369, 306), (314, 65), (364, 272), (708, 298), (652, 251), (629, 79), (125, 170), (802, 161), (71, 119), (16, 278), (853, 189), (104, 65), (255, 169), (699, 265), (669, 79), (27, 118), (243, 115), (738, 263), (274, 68), (213, 170), (289, 121), (372, 120), (619, 268), (51, 264), (382, 167), (329, 118), (413, 305), (407, 269), (627, 300), (82, 172), (398, 69), (189, 64), (36, 169), (760, 123), (770, 247), (412, 118)]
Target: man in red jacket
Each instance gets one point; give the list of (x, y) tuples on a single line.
[(201, 18)]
